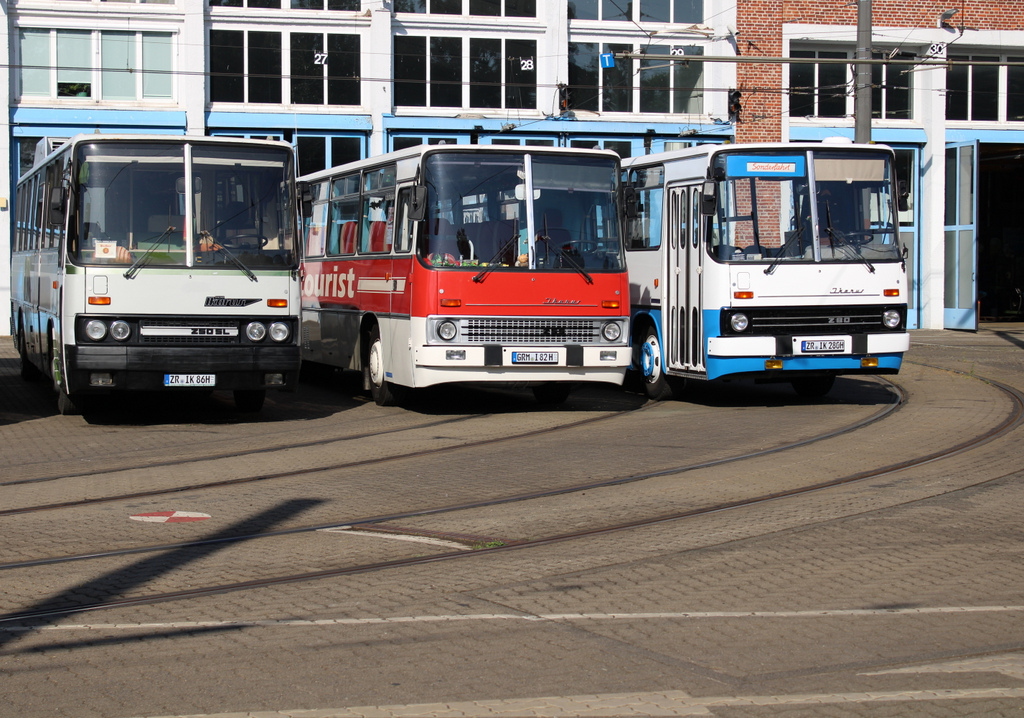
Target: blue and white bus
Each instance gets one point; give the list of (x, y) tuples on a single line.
[(157, 263), (775, 262)]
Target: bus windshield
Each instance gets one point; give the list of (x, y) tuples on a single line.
[(135, 203), (826, 206), (541, 212)]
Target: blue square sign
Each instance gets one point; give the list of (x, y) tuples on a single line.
[(607, 59)]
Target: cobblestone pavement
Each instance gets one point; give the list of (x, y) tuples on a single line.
[(902, 595)]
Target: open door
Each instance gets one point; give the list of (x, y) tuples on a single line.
[(961, 241)]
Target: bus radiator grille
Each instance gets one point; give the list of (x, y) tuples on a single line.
[(530, 331)]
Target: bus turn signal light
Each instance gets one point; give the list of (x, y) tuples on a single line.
[(742, 295), (282, 303), (611, 304), (99, 301), (451, 302), (891, 292)]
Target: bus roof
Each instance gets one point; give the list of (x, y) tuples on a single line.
[(415, 154)]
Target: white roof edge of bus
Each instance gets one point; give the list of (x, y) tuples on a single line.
[(85, 136), (715, 147), (419, 150)]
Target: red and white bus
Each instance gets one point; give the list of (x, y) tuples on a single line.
[(462, 263)]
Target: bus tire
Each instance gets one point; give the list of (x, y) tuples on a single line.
[(813, 387), (249, 400), (649, 360), (552, 393), (384, 392)]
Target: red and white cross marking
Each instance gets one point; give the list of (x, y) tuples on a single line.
[(170, 517)]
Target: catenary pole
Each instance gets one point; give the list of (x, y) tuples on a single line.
[(862, 88)]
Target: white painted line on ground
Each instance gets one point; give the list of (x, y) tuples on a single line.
[(681, 615), (398, 537)]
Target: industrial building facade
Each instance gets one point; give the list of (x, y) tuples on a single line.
[(346, 79)]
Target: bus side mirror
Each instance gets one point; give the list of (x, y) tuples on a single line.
[(902, 193), (55, 215), (708, 197), (418, 203), (629, 202)]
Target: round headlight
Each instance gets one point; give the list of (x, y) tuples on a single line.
[(255, 331), (279, 332), (891, 318), (611, 331), (120, 330), (739, 322), (96, 330), (447, 330)]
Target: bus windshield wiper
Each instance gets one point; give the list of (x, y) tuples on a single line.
[(142, 260), (479, 277), (797, 233), (838, 241), (204, 235), (567, 257)]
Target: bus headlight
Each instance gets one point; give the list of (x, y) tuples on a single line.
[(447, 330), (120, 330), (279, 332), (739, 322), (611, 332), (96, 330), (891, 319), (255, 331)]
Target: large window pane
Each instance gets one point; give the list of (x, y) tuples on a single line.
[(446, 7), (343, 70), (117, 60), (1015, 91), (348, 5), (35, 62), (654, 80), (227, 66), (157, 65), (307, 68), (616, 9), (688, 83), (446, 72), (688, 11), (484, 73), (985, 90), (521, 81), (521, 8), (485, 7), (411, 6), (410, 71), (618, 82), (74, 71), (957, 83), (584, 76), (583, 9), (265, 67), (653, 10)]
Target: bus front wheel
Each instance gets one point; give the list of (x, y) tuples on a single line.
[(652, 372), (384, 393)]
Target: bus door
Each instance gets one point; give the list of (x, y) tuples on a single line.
[(683, 320), (961, 225)]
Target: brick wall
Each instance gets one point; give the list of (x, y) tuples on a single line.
[(760, 34)]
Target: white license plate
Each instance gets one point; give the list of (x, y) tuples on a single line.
[(190, 379), (534, 357), (823, 345)]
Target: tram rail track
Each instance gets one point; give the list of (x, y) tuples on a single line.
[(1013, 419)]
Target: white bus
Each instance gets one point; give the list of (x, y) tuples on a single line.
[(776, 262), (157, 263)]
